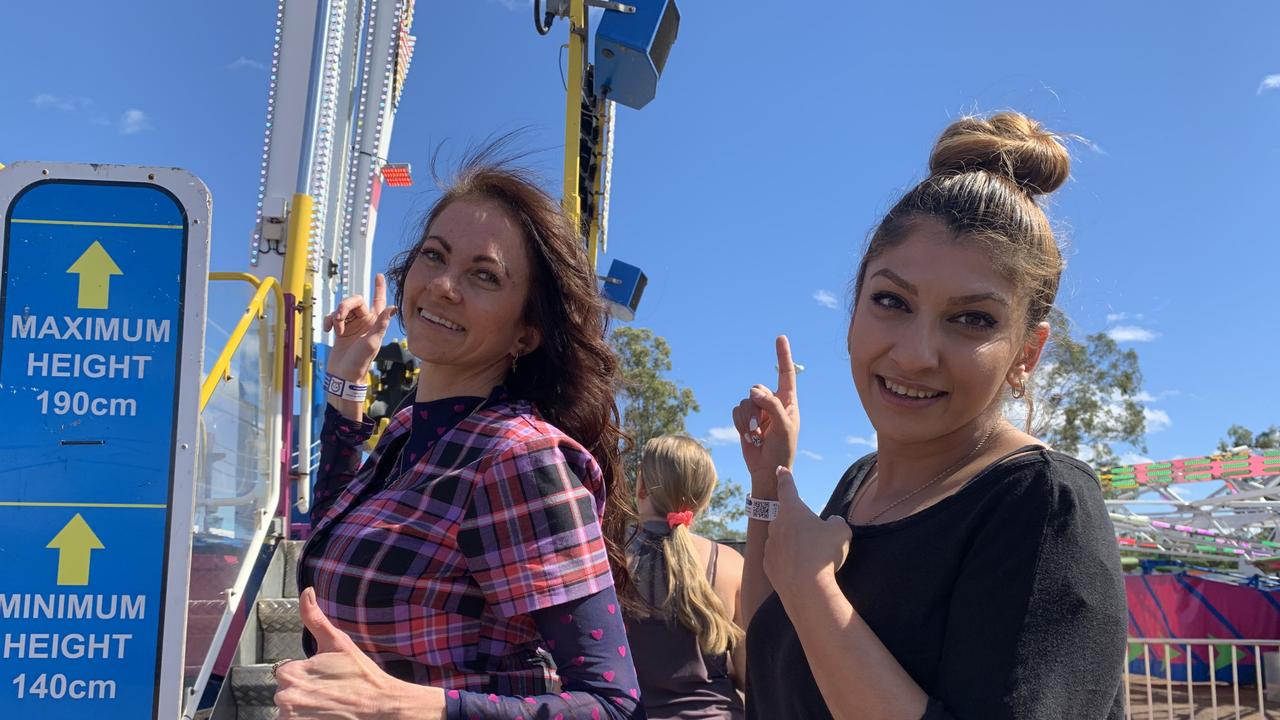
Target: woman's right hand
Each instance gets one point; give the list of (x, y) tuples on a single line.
[(358, 331), (768, 423)]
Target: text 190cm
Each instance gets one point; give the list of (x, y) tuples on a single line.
[(82, 403), (56, 687)]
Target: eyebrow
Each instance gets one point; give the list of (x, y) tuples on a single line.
[(901, 282), (479, 258), (896, 279), (977, 298)]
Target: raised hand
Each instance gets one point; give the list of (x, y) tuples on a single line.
[(358, 331), (341, 682), (768, 424)]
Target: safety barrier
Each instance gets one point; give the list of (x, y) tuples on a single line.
[(239, 471), (1205, 678)]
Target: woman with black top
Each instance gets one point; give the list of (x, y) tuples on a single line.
[(964, 570)]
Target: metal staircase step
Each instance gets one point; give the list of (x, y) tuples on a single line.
[(254, 689), (280, 628)]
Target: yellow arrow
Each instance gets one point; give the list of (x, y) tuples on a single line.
[(74, 543), (95, 268)]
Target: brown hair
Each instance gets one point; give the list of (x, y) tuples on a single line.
[(572, 376), (678, 475), (984, 176)]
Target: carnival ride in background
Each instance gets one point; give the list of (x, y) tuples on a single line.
[(1233, 513)]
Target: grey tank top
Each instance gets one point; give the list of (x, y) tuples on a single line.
[(677, 681)]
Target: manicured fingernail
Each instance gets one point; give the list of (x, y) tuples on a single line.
[(753, 425)]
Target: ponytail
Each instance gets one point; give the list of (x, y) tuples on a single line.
[(691, 599)]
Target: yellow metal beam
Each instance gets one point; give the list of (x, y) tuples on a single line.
[(295, 259), (573, 114), (221, 368), (304, 351)]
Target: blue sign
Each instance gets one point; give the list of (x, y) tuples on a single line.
[(623, 287), (94, 281)]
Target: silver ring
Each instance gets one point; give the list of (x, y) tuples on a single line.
[(276, 665)]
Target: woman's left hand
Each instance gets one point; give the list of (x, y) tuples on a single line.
[(341, 682), (802, 547)]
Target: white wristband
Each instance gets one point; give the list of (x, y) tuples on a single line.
[(345, 389), (766, 510)]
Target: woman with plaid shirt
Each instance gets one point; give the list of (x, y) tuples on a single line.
[(462, 571)]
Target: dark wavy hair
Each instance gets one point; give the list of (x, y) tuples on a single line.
[(572, 377)]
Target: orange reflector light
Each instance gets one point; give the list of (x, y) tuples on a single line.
[(397, 174)]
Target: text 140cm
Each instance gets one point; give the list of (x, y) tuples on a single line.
[(58, 686)]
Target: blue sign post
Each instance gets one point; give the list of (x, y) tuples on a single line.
[(103, 281)]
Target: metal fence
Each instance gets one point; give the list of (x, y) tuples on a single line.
[(1177, 678)]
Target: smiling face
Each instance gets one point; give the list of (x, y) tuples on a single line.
[(464, 296), (936, 337)]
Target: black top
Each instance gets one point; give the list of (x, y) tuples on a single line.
[(1004, 600)]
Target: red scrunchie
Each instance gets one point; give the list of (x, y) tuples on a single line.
[(680, 518)]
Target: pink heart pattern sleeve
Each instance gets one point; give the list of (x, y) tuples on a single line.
[(588, 640)]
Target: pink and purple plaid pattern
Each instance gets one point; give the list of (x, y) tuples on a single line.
[(434, 572)]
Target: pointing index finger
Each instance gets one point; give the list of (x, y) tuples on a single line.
[(379, 293), (786, 371)]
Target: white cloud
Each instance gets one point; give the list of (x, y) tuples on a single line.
[(1270, 82), (721, 436), (826, 299), (66, 104), (1157, 420), (243, 63), (134, 121), (1131, 333), (865, 441), (1116, 317), (811, 454)]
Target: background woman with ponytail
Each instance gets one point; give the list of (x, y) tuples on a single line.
[(687, 647)]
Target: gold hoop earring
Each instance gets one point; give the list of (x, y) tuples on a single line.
[(1018, 391)]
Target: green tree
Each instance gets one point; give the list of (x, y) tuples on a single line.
[(1238, 435), (1087, 395), (653, 405)]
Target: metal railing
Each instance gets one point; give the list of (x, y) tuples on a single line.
[(1202, 678), (239, 477)]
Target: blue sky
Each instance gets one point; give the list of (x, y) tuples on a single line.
[(780, 134)]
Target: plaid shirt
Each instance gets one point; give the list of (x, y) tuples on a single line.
[(434, 572)]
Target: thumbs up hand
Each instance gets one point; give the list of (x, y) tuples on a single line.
[(341, 682), (802, 547)]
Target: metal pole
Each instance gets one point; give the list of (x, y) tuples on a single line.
[(573, 112)]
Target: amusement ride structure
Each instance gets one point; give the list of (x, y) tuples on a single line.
[(1223, 507)]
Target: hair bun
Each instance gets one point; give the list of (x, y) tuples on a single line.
[(1009, 144)]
